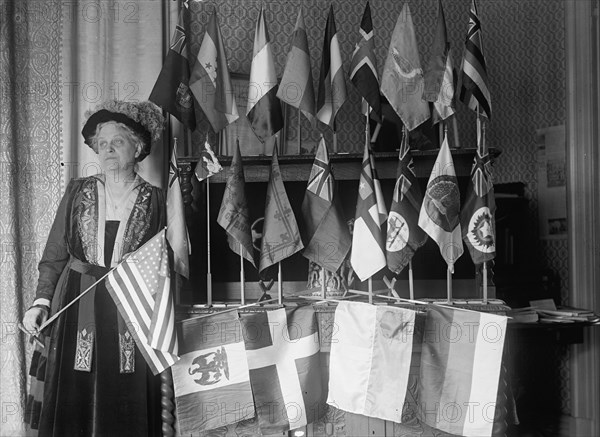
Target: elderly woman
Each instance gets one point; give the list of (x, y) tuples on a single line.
[(95, 381)]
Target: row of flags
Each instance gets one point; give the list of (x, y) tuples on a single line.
[(378, 238), (237, 366), (403, 82)]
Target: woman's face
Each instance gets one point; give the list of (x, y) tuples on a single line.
[(116, 151)]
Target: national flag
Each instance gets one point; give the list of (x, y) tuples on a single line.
[(474, 90), (171, 90), (139, 286), (208, 164), (281, 237), (439, 77), (368, 242), (402, 78), (233, 215), (370, 359), (440, 210), (282, 347), (264, 110), (461, 358), (404, 236), (332, 85), (325, 230), (478, 213), (363, 65), (296, 87), (177, 232), (212, 380), (210, 82)]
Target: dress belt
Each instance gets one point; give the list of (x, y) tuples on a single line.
[(87, 268)]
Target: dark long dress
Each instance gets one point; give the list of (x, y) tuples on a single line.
[(103, 401)]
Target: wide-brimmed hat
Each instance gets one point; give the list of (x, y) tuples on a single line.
[(145, 119)]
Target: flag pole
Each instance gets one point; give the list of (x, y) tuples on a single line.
[(323, 294), (208, 273), (62, 310), (299, 132), (279, 285), (449, 283), (370, 282), (485, 291), (242, 279), (411, 288)]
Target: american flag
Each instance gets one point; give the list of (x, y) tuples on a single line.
[(140, 285)]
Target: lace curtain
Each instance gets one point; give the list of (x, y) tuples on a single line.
[(58, 59)]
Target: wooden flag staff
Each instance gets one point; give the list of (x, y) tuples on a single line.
[(367, 144), (242, 279), (481, 144), (208, 272), (279, 284)]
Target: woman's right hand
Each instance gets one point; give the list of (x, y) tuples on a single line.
[(33, 318)]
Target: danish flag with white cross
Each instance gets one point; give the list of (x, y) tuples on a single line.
[(282, 347)]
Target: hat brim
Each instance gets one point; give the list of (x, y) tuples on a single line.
[(103, 116)]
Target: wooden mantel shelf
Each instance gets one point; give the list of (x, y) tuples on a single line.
[(346, 166)]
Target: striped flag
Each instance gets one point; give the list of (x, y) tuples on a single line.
[(296, 87), (208, 164), (440, 210), (171, 90), (210, 82), (439, 77), (177, 232), (211, 380), (460, 369), (370, 359), (264, 109), (281, 237), (402, 77), (233, 215), (474, 90), (368, 242), (139, 286), (326, 234), (363, 65), (478, 213), (404, 236), (332, 85)]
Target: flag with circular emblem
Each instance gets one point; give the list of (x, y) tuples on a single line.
[(478, 214)]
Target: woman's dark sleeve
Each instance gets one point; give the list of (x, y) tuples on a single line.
[(56, 254)]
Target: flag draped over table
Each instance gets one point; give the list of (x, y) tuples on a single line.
[(439, 77), (332, 85), (440, 210), (177, 233), (233, 215), (208, 164), (370, 359), (474, 90), (171, 90), (212, 380), (460, 368), (264, 109), (281, 237), (282, 347), (404, 236), (296, 87), (368, 243), (210, 82), (363, 65), (402, 78), (325, 230), (139, 286), (478, 213)]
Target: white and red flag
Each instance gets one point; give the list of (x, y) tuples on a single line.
[(282, 347)]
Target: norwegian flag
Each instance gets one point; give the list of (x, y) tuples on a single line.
[(478, 213), (139, 286)]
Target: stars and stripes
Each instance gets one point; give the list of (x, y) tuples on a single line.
[(474, 91), (139, 286)]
